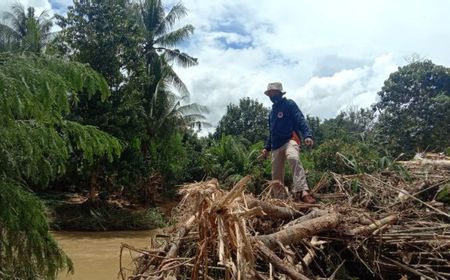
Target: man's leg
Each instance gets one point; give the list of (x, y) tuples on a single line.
[(278, 159), (299, 178)]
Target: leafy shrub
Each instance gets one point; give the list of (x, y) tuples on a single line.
[(340, 157)]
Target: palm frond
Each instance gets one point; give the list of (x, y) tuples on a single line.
[(175, 37), (9, 39), (172, 78), (180, 58), (177, 12), (193, 108), (17, 18), (194, 117), (5, 30), (152, 14), (45, 24)]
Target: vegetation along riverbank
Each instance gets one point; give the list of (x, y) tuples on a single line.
[(98, 132)]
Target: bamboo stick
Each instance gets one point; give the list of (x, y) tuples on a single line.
[(376, 225)]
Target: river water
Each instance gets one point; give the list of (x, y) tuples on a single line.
[(96, 254)]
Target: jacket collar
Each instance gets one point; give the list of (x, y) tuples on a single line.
[(279, 103)]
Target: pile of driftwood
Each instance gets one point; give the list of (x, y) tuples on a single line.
[(382, 226)]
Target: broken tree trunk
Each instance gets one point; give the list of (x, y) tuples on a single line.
[(315, 213), (175, 244), (273, 211), (306, 229)]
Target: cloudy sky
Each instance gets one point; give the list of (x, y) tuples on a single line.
[(329, 54)]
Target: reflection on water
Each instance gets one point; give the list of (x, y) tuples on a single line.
[(96, 254)]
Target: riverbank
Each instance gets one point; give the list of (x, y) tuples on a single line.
[(74, 212)]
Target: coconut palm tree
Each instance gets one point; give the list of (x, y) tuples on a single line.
[(159, 40), (165, 108), (23, 30)]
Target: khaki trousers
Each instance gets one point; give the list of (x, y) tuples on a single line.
[(289, 151)]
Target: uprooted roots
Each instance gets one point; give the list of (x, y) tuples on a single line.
[(371, 226)]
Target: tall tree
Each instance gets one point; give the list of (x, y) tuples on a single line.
[(24, 30), (249, 119), (36, 141), (164, 108), (103, 34), (414, 109), (159, 42)]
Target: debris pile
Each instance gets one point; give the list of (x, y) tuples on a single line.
[(371, 226)]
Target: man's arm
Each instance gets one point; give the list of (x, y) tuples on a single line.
[(267, 144), (301, 125), (300, 122)]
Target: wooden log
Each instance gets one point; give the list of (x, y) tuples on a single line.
[(421, 161), (376, 225), (172, 252), (309, 257), (283, 266), (315, 213), (273, 211), (306, 229), (233, 194)]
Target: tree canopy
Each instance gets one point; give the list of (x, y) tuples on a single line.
[(414, 109), (249, 119)]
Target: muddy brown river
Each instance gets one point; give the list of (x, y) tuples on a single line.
[(96, 254)]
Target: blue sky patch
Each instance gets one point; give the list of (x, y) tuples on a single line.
[(58, 7)]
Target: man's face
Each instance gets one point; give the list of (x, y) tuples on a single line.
[(273, 93)]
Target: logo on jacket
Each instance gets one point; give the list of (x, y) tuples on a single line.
[(280, 115)]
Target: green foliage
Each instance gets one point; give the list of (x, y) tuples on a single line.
[(415, 109), (249, 119), (229, 159), (35, 143), (350, 126), (313, 175), (36, 140), (24, 31), (169, 158), (314, 124), (27, 250), (444, 194), (194, 150), (341, 157), (226, 158), (102, 34)]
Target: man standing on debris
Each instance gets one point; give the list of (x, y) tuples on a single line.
[(286, 122)]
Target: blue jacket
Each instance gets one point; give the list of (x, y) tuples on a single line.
[(285, 118)]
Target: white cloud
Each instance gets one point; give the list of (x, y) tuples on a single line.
[(358, 87), (39, 5)]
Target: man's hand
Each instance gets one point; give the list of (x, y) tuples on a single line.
[(309, 142), (264, 154)]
